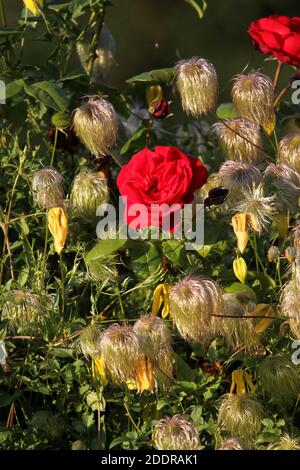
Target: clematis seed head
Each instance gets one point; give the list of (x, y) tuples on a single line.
[(289, 150), (197, 83), (47, 188), (95, 124), (176, 433), (89, 190)]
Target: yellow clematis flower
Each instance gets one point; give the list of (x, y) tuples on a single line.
[(98, 369), (161, 297), (241, 382), (144, 377), (34, 6), (58, 226)]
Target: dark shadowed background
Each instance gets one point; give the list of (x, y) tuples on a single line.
[(155, 33)]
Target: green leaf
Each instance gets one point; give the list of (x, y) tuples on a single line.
[(183, 371), (238, 287), (145, 259), (104, 248), (159, 75), (227, 111), (62, 352), (127, 146), (175, 251), (200, 10), (48, 93), (14, 87)]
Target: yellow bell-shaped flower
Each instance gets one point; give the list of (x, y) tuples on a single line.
[(58, 226)]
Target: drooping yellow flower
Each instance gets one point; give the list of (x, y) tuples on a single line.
[(58, 226), (98, 369), (241, 382), (34, 5), (239, 224), (144, 377), (263, 310), (161, 297)]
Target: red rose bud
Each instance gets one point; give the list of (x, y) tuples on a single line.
[(160, 109), (279, 36)]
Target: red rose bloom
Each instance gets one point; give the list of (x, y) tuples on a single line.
[(279, 36), (165, 176)]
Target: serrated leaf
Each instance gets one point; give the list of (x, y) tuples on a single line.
[(227, 111), (104, 248), (48, 93), (158, 75)]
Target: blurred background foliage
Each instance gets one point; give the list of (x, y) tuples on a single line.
[(153, 34)]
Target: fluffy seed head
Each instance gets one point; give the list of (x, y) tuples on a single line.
[(253, 96), (192, 302), (197, 83), (262, 208), (105, 52), (286, 442), (47, 188), (120, 350), (241, 416), (290, 254), (155, 343), (24, 308), (237, 332), (238, 175), (102, 269), (233, 444), (289, 150), (240, 139), (89, 191), (89, 341), (283, 181), (95, 124), (176, 433), (290, 301), (279, 379)]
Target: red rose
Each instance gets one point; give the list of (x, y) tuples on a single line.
[(165, 176), (279, 36)]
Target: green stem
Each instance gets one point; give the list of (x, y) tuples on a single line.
[(2, 14), (54, 147), (62, 276), (278, 268), (256, 252), (126, 402)]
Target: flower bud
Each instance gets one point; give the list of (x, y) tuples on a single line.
[(34, 6), (192, 302), (289, 150), (58, 226), (241, 416), (160, 109), (154, 94), (89, 190), (273, 254), (95, 124), (279, 380), (61, 121), (47, 188), (253, 96), (197, 83), (290, 254), (120, 350), (176, 433), (240, 139), (22, 309)]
